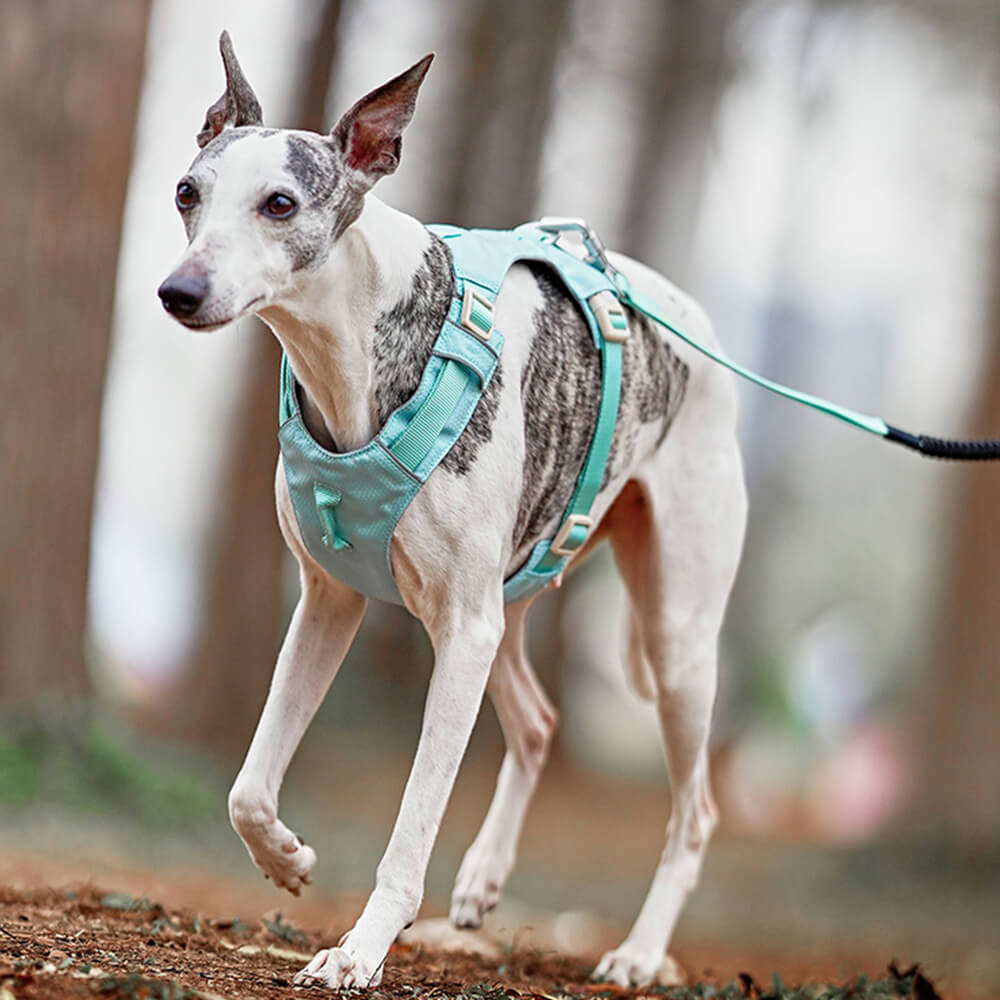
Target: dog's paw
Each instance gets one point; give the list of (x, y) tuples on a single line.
[(278, 852), (477, 887), (290, 867), (626, 967), (338, 968)]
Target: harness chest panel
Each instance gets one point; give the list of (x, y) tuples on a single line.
[(347, 504)]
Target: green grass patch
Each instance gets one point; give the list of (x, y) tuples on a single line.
[(19, 773), (82, 760)]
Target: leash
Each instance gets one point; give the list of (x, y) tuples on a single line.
[(932, 447)]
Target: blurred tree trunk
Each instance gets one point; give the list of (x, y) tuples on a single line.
[(69, 82), (957, 733), (679, 84), (502, 100), (221, 689)]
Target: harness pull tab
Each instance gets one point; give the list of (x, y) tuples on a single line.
[(327, 501)]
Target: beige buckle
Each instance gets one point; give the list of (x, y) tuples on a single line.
[(477, 310), (556, 546), (611, 316)]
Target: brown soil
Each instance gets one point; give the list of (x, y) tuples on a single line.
[(83, 942), (62, 944)]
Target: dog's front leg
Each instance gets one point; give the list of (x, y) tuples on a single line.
[(464, 649), (322, 629)]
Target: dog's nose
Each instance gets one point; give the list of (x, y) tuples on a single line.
[(183, 294)]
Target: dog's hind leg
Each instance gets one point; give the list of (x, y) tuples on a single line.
[(677, 535), (528, 720)]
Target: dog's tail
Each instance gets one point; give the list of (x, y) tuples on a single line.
[(638, 672)]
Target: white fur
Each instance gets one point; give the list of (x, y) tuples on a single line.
[(677, 534)]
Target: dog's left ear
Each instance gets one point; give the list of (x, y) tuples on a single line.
[(238, 104), (370, 135)]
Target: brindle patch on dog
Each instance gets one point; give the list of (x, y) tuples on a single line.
[(561, 394), (313, 165), (404, 338), (560, 397), (405, 334), (333, 202)]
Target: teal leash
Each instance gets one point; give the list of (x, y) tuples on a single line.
[(932, 447)]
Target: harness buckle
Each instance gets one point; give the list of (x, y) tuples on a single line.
[(568, 540), (597, 255), (610, 315), (477, 313)]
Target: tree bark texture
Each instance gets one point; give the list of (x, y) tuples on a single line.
[(679, 84), (956, 731), (502, 103), (69, 85)]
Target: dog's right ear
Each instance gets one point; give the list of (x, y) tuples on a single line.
[(238, 104)]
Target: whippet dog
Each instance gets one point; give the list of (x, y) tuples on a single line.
[(282, 224)]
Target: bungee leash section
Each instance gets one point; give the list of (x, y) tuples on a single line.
[(932, 447)]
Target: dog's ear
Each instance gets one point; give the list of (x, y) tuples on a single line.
[(238, 104), (370, 135)]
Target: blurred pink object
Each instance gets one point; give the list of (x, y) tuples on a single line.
[(857, 788)]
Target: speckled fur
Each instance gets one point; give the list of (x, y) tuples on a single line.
[(405, 334), (404, 337), (561, 395), (332, 203)]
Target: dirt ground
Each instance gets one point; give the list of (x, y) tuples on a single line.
[(98, 904), (85, 942)]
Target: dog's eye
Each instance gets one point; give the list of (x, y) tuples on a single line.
[(279, 206), (186, 197)]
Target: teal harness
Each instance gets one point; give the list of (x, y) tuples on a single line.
[(347, 505)]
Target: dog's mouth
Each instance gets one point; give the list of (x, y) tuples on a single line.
[(206, 326)]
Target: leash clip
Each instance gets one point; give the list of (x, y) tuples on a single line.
[(596, 254)]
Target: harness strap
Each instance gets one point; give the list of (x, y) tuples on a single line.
[(413, 445), (576, 525)]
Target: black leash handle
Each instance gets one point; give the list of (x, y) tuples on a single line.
[(962, 451)]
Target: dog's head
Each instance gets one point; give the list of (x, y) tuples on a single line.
[(260, 205)]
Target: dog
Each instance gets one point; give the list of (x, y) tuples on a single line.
[(283, 224)]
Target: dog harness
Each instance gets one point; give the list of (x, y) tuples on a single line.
[(347, 504)]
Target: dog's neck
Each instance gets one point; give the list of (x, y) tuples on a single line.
[(327, 324)]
